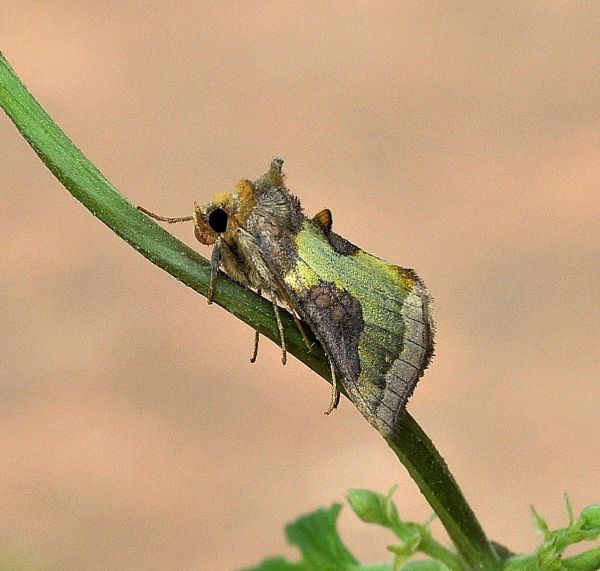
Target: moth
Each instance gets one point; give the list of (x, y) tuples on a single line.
[(373, 319)]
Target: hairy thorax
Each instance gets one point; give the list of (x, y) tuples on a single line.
[(243, 262)]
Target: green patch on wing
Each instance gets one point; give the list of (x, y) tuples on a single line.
[(379, 288)]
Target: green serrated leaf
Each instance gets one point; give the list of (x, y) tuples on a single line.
[(317, 537)]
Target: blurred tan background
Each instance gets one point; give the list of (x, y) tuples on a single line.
[(462, 141)]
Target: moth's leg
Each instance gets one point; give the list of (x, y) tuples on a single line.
[(301, 329), (335, 394), (215, 262), (256, 339), (285, 299), (255, 352), (281, 333)]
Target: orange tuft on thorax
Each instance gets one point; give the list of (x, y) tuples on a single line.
[(244, 200)]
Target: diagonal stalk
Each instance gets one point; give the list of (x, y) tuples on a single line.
[(87, 184)]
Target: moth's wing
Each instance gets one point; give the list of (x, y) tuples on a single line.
[(371, 318)]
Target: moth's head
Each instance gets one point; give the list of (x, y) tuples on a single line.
[(225, 213)]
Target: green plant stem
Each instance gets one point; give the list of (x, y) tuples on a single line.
[(438, 552), (429, 470), (85, 182)]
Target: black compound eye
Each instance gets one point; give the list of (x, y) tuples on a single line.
[(217, 220)]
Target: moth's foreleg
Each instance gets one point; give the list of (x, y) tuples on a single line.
[(281, 333), (335, 394), (215, 262)]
